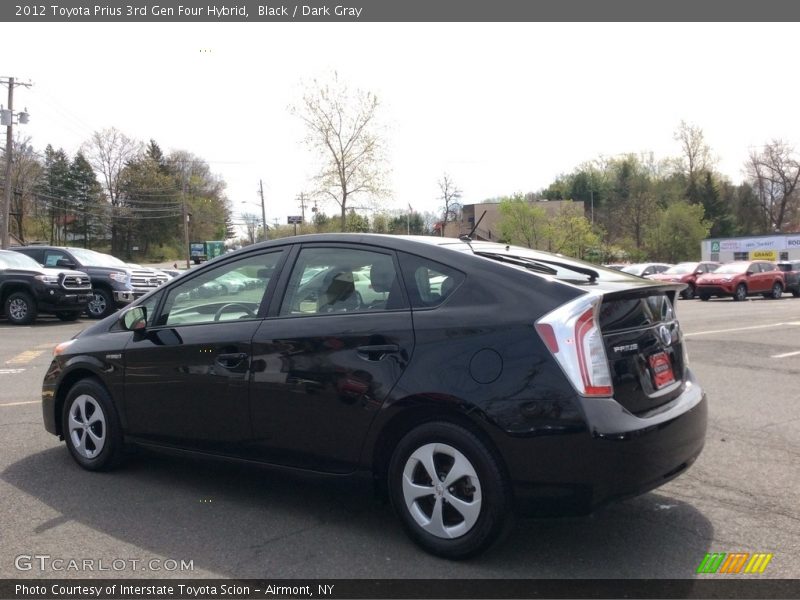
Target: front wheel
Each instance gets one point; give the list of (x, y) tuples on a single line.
[(101, 305), (704, 297), (91, 427), (777, 291), (20, 308), (449, 491), (740, 293)]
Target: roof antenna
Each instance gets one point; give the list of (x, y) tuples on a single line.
[(468, 236)]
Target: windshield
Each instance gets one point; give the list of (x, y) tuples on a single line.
[(681, 269), (15, 260), (736, 267), (96, 259)]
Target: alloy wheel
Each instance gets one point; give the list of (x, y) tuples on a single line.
[(441, 490), (97, 305), (18, 309), (87, 426)]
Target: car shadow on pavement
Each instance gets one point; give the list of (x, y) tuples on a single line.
[(244, 521)]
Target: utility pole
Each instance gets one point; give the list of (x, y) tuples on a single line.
[(302, 199), (185, 217), (8, 120), (263, 210)]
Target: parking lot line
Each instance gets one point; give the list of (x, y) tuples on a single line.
[(21, 403), (24, 357), (785, 354), (769, 326), (11, 371)]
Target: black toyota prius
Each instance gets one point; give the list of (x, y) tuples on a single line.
[(471, 379)]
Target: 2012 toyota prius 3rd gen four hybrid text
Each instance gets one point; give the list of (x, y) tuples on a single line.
[(471, 379)]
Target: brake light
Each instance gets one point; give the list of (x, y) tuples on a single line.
[(572, 334)]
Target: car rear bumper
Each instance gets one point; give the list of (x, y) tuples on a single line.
[(620, 455)]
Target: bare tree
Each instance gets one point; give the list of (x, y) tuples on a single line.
[(696, 153), (450, 196), (774, 174), (251, 223), (26, 169), (343, 131), (108, 151)]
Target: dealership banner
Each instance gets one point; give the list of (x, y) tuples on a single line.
[(740, 585)]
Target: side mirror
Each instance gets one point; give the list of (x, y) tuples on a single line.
[(134, 319), (749, 273), (65, 264)]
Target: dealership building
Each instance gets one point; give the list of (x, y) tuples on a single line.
[(774, 247)]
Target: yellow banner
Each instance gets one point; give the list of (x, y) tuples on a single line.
[(764, 255)]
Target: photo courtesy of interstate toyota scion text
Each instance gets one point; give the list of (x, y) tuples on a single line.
[(473, 381)]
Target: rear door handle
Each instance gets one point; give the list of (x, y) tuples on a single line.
[(231, 360), (377, 352)]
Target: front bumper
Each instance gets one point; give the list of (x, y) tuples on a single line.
[(57, 299), (619, 455), (125, 297), (720, 289)]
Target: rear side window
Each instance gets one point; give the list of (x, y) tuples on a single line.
[(429, 283)]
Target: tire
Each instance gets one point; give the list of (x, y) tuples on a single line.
[(91, 426), (101, 305), (68, 316), (796, 293), (740, 293), (20, 308), (777, 291), (704, 297), (688, 293), (473, 509)]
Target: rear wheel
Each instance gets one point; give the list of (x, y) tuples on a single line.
[(704, 297), (449, 491), (777, 290), (688, 293), (796, 293), (20, 308), (101, 305), (740, 293), (91, 427)]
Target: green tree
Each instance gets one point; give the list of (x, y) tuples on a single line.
[(87, 200), (522, 222), (571, 234), (56, 191), (677, 233)]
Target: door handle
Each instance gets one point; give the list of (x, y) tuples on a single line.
[(231, 360), (377, 352)]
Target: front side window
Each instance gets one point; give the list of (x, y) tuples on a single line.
[(51, 258), (231, 291), (342, 280)]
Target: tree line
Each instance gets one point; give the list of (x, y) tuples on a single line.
[(116, 194)]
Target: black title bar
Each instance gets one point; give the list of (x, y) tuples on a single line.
[(397, 10)]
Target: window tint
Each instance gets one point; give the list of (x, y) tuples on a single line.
[(51, 257), (429, 283), (341, 280), (232, 291)]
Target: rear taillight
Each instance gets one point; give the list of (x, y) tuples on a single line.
[(572, 334)]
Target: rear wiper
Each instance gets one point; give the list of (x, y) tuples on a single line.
[(590, 273), (520, 262), (541, 265)]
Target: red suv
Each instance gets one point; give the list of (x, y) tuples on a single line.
[(741, 279), (685, 272)]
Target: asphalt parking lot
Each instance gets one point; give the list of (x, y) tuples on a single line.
[(248, 522)]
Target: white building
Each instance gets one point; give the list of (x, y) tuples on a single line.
[(774, 247)]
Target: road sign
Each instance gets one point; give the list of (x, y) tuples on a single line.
[(294, 220)]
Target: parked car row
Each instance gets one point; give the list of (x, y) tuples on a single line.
[(47, 282)]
